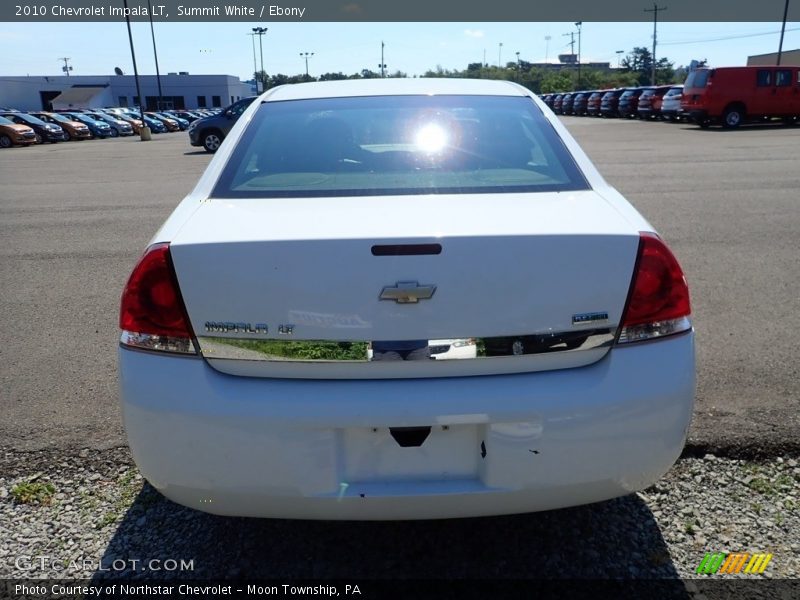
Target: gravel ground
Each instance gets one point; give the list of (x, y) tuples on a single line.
[(93, 511)]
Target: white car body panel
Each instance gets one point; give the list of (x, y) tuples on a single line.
[(269, 438), (306, 449)]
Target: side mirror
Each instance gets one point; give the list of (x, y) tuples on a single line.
[(228, 114)]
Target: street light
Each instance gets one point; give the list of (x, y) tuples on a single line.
[(619, 56), (547, 39), (519, 64), (306, 55), (499, 54), (260, 31), (255, 64), (578, 24)]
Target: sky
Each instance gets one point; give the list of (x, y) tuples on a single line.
[(226, 48)]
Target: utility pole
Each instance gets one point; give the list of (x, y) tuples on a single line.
[(547, 39), (144, 132), (571, 35), (255, 64), (499, 54), (484, 58), (306, 55), (66, 68), (655, 10), (519, 64), (383, 64), (783, 29), (578, 24), (260, 31), (155, 54)]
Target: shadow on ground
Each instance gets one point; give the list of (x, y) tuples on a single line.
[(614, 539)]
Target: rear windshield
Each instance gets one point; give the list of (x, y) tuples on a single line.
[(697, 79), (647, 93), (387, 145), (674, 92)]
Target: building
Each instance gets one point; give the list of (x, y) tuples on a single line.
[(788, 57), (179, 90)]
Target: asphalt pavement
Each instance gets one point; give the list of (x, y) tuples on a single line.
[(74, 217)]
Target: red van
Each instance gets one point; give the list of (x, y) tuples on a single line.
[(732, 95)]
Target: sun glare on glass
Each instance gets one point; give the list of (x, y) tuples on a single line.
[(431, 138)]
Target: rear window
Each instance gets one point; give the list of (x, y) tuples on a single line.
[(674, 92), (697, 79), (388, 145), (647, 93)]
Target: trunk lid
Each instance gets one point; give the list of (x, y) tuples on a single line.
[(510, 266)]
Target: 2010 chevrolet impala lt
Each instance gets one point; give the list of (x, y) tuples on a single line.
[(404, 299)]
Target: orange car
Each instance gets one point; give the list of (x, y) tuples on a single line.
[(74, 130), (12, 134)]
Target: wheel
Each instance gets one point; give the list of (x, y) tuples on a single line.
[(5, 141), (38, 139), (67, 136), (114, 132), (733, 117), (212, 141)]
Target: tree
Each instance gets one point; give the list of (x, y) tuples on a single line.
[(640, 62)]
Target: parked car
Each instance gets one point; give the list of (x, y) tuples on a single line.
[(210, 131), (14, 134), (610, 103), (239, 339), (579, 103), (671, 104), (593, 104), (557, 99), (566, 103), (628, 104), (649, 106), (135, 123), (99, 129), (118, 126), (733, 95), (185, 115), (657, 100), (73, 130), (44, 132), (170, 124)]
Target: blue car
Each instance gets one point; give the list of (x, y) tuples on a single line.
[(98, 128)]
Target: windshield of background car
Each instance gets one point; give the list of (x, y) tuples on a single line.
[(4, 121), (388, 145)]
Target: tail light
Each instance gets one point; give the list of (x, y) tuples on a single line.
[(152, 315), (658, 301)]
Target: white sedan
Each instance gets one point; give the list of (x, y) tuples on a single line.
[(382, 214)]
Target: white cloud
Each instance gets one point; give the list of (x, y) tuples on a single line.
[(474, 33)]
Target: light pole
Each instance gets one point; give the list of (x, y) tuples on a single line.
[(783, 29), (306, 55), (155, 53), (66, 68), (578, 24), (619, 56), (260, 31), (547, 39), (654, 10), (519, 65), (144, 132), (383, 64), (255, 64), (499, 54)]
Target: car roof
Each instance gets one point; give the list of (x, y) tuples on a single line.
[(419, 86)]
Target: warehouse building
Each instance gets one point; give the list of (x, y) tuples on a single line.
[(789, 57), (179, 91)]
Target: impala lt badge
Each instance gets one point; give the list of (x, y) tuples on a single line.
[(235, 327), (407, 292), (590, 318)]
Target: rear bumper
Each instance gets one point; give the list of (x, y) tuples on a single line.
[(322, 449)]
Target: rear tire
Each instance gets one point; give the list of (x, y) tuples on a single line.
[(733, 117)]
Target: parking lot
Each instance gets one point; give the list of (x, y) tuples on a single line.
[(75, 217)]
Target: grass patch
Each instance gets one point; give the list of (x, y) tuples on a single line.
[(33, 492)]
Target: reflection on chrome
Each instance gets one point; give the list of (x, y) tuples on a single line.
[(469, 348)]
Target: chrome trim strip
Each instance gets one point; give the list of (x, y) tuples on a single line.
[(326, 351)]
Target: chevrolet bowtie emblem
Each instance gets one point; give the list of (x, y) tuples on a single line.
[(407, 292)]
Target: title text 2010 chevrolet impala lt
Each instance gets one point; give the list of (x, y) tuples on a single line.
[(404, 299)]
